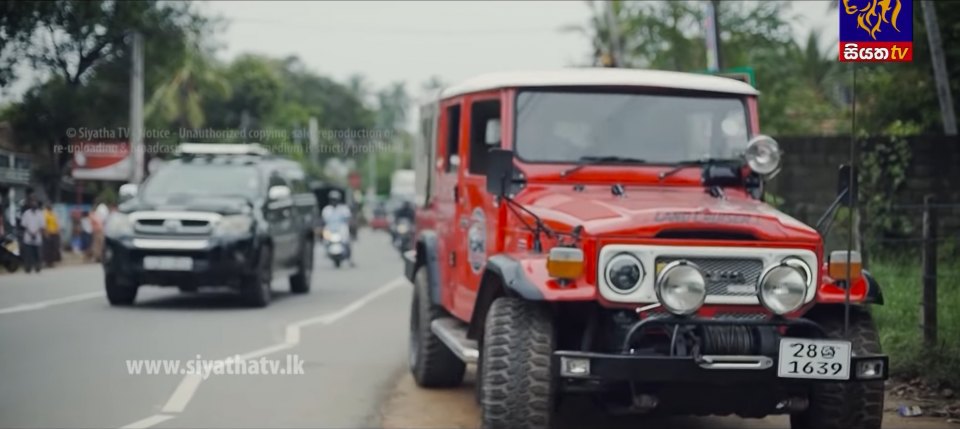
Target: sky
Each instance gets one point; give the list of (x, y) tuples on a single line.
[(410, 41)]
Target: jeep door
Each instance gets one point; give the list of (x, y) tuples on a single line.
[(476, 220), (447, 166)]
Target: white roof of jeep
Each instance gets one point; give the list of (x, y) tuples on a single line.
[(600, 77)]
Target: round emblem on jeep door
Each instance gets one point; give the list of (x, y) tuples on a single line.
[(477, 240)]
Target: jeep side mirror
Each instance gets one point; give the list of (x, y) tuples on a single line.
[(500, 171), (849, 183)]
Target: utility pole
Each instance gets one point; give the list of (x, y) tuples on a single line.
[(314, 145), (712, 30), (613, 31), (136, 108), (939, 69)]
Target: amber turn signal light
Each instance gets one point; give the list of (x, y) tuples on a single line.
[(565, 262), (837, 265)]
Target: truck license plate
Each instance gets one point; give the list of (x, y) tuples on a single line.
[(816, 359), (168, 263)]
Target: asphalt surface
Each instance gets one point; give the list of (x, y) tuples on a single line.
[(63, 349), (64, 353)]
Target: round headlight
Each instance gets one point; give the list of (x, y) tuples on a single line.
[(763, 156), (783, 288), (624, 273), (681, 288)]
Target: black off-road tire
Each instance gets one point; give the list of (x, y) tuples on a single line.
[(300, 282), (517, 385), (255, 290), (856, 405), (119, 294), (431, 362)]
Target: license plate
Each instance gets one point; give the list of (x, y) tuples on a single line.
[(336, 249), (168, 263), (816, 359)]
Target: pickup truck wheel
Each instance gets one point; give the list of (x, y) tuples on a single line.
[(119, 294), (431, 362), (256, 290), (517, 384), (846, 405), (300, 282)]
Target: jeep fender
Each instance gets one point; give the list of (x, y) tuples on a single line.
[(426, 257), (874, 294), (503, 275)]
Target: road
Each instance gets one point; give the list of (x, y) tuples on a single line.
[(64, 353)]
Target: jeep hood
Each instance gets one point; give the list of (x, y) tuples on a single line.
[(644, 211)]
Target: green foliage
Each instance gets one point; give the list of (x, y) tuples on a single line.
[(883, 176), (898, 319), (107, 196)]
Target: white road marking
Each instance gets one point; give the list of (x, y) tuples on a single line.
[(50, 303), (189, 384), (149, 421), (183, 394)]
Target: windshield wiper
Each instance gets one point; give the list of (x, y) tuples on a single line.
[(592, 160), (694, 163)]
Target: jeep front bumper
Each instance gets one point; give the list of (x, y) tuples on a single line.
[(593, 367)]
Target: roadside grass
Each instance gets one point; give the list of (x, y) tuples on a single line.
[(899, 319)]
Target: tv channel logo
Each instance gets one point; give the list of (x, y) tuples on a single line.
[(876, 31)]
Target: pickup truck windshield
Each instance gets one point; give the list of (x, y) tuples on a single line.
[(565, 127), (203, 180)]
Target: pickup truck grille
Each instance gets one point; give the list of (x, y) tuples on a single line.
[(726, 276), (174, 223)]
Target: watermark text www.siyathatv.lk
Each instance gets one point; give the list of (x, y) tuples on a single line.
[(235, 365)]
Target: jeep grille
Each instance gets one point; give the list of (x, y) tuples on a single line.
[(726, 276)]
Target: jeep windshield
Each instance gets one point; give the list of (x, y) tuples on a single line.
[(568, 127), (203, 180)]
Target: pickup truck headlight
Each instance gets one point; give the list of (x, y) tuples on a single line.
[(681, 288), (233, 225), (118, 224), (783, 287)]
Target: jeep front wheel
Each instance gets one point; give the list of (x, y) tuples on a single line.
[(517, 385), (431, 362), (846, 405)]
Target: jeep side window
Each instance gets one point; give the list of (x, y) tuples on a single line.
[(453, 138), (484, 133)]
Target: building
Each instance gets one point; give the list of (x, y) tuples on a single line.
[(14, 173)]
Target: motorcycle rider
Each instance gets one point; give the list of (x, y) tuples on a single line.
[(336, 216), (404, 211)]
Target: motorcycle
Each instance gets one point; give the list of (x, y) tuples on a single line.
[(10, 253), (336, 244), (402, 234)]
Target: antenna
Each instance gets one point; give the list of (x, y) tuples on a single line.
[(853, 201)]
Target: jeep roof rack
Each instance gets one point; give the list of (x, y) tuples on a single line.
[(222, 149)]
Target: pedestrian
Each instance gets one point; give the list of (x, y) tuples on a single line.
[(33, 226), (86, 235), (96, 247), (51, 240)]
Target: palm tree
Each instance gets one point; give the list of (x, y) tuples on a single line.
[(357, 84), (180, 100), (598, 30)]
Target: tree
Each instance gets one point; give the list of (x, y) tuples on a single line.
[(81, 47), (18, 22)]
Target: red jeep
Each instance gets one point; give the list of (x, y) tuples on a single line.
[(602, 232)]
